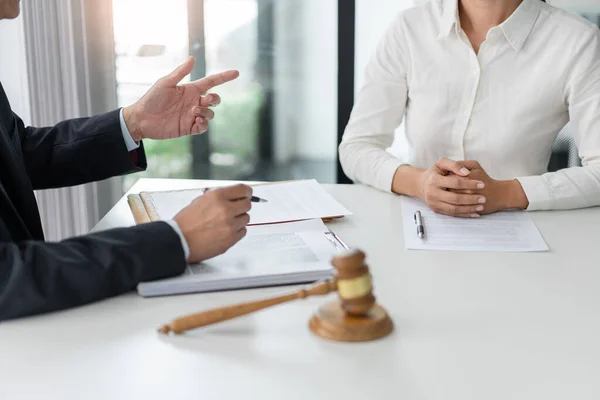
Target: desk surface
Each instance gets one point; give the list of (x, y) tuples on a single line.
[(468, 326)]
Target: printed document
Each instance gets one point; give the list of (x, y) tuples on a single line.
[(508, 231), (290, 201)]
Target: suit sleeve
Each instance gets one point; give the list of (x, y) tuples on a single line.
[(77, 151), (38, 277)]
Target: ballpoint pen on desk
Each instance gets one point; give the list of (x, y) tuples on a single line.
[(253, 199), (419, 223)]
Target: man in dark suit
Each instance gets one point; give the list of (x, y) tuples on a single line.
[(36, 276)]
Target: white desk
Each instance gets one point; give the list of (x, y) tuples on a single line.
[(468, 326)]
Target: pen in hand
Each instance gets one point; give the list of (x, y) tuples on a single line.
[(253, 199), (419, 223)]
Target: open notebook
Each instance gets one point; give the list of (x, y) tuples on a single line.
[(270, 255), (287, 201)]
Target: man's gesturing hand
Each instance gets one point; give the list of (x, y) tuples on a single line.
[(215, 221), (446, 175), (170, 110)]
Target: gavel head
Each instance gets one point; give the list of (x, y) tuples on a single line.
[(354, 283)]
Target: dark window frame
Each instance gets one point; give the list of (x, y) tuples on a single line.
[(201, 168), (346, 72)]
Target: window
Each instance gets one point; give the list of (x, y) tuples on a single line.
[(150, 41), (278, 121)]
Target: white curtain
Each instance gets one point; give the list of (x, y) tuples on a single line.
[(70, 59)]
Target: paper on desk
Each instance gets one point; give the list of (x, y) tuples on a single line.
[(267, 247), (269, 255), (291, 201), (509, 231)]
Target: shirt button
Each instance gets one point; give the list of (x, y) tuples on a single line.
[(475, 72), (467, 113)]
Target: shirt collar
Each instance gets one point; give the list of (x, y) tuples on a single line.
[(449, 17), (516, 28), (519, 25)]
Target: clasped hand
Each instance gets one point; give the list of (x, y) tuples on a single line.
[(464, 189)]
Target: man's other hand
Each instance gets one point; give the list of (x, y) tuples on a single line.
[(215, 221), (170, 110)]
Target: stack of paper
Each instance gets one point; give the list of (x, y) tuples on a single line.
[(287, 241), (292, 201), (275, 254)]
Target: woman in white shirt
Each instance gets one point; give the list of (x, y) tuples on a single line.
[(492, 81)]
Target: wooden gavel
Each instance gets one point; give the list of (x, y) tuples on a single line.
[(356, 317)]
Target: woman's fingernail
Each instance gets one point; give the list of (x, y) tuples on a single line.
[(475, 215), (479, 208), (482, 200), (200, 120), (465, 171), (480, 185), (198, 112)]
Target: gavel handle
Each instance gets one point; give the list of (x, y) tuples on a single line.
[(226, 313)]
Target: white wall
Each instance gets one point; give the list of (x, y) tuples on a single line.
[(318, 137), (287, 79), (577, 5), (13, 67), (305, 79)]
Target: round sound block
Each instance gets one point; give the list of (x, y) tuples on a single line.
[(331, 322)]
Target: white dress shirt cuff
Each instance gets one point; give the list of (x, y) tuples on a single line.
[(538, 193), (385, 174), (129, 142), (184, 243)]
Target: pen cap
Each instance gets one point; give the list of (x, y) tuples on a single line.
[(354, 282)]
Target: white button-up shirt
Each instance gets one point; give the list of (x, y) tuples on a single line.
[(503, 107)]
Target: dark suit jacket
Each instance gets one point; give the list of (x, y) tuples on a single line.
[(36, 276)]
